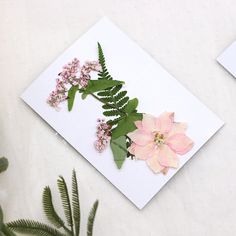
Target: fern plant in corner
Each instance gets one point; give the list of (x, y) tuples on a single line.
[(71, 206)]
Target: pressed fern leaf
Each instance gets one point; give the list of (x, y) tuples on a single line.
[(75, 203), (50, 211), (33, 228), (65, 201), (91, 219), (112, 97)]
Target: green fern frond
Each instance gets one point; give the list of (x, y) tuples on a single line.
[(106, 99), (75, 203), (122, 102), (115, 90), (104, 74), (50, 211), (120, 95), (104, 93), (115, 121), (33, 228), (106, 106), (112, 112), (91, 219), (65, 201)]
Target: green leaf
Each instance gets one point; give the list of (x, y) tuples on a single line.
[(84, 95), (65, 200), (126, 125), (32, 227), (75, 203), (3, 164), (111, 112), (131, 105), (91, 219), (122, 102), (1, 216), (116, 89), (50, 211), (71, 97), (119, 150), (99, 85)]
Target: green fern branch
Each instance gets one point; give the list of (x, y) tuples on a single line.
[(50, 211), (33, 228), (75, 203), (62, 187), (91, 218)]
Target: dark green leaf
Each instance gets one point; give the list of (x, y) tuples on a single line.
[(119, 150), (3, 164), (122, 102), (99, 85), (131, 105), (116, 89), (126, 125), (71, 97), (112, 112)]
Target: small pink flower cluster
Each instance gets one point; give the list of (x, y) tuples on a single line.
[(68, 76), (85, 72), (103, 135)]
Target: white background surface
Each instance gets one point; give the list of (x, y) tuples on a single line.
[(183, 36)]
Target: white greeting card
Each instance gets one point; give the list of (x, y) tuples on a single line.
[(228, 59), (157, 92)]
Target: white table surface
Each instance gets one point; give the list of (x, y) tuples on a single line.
[(185, 37)]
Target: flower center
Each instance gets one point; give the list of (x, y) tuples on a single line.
[(159, 139)]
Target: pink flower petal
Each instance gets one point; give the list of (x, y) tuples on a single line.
[(179, 143), (140, 137), (167, 157), (149, 123), (138, 124), (154, 164), (144, 152), (178, 128), (131, 148), (164, 122)]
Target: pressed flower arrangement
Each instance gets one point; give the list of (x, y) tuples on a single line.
[(157, 140)]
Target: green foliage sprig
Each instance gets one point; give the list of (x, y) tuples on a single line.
[(118, 107), (71, 211)]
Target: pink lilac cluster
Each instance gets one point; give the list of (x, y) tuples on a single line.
[(72, 74), (85, 72), (103, 135)]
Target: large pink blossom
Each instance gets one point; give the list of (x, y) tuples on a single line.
[(159, 140)]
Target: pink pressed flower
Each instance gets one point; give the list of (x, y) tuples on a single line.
[(69, 77), (159, 140), (85, 72), (103, 135)]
